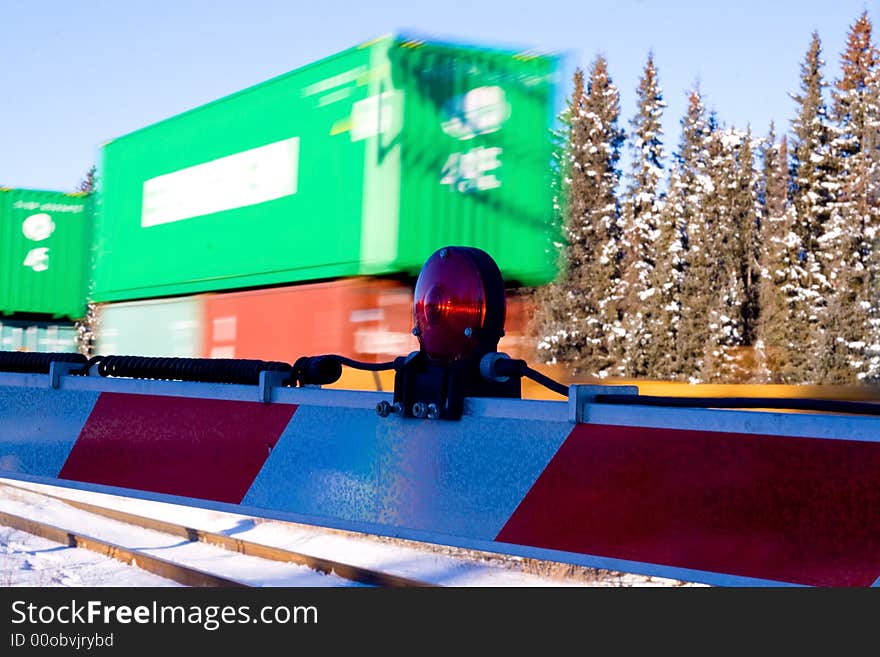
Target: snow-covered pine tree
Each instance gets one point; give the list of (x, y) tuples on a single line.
[(856, 112), (871, 147), (810, 156), (690, 188), (553, 302), (811, 194), (87, 326), (854, 107), (87, 184), (850, 349), (784, 326), (731, 220), (748, 213), (667, 276), (736, 231), (589, 331), (642, 301), (872, 144), (604, 354)]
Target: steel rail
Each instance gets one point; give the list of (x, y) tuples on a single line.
[(250, 548), (177, 572)]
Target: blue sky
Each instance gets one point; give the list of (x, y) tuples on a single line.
[(75, 74)]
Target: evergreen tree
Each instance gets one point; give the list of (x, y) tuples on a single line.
[(849, 347), (87, 326), (662, 351), (738, 255), (812, 200), (87, 184), (871, 148), (775, 187), (587, 328), (642, 301), (731, 223), (852, 106), (810, 158), (872, 140), (784, 325), (553, 302), (690, 190), (748, 211), (606, 345)]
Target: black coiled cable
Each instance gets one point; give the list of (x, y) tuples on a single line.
[(32, 362), (205, 370)]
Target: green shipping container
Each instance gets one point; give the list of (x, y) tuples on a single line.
[(44, 252), (362, 163)]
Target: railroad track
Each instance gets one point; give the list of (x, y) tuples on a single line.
[(179, 572)]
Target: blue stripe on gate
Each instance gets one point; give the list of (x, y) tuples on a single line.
[(40, 426), (451, 478)]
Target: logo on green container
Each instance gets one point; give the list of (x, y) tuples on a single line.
[(480, 111)]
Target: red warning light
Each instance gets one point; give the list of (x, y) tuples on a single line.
[(453, 303)]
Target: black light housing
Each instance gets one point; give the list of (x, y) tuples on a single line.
[(459, 304)]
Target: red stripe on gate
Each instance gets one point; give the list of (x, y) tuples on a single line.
[(204, 448), (799, 510)]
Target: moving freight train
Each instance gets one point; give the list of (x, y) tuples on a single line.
[(292, 217)]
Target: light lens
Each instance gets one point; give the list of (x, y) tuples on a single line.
[(450, 305)]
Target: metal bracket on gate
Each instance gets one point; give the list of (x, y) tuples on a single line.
[(425, 389), (57, 369), (268, 380), (580, 397)]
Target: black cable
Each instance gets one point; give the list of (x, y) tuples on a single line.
[(822, 405), (360, 365), (545, 381), (500, 365)]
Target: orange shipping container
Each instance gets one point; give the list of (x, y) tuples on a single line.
[(344, 317), (392, 336), (518, 341)]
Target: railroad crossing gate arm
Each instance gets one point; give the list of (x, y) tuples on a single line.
[(720, 496)]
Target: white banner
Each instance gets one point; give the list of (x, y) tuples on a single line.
[(253, 176)]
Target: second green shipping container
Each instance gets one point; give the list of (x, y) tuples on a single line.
[(44, 252)]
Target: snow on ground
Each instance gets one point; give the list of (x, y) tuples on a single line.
[(27, 560), (403, 558)]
